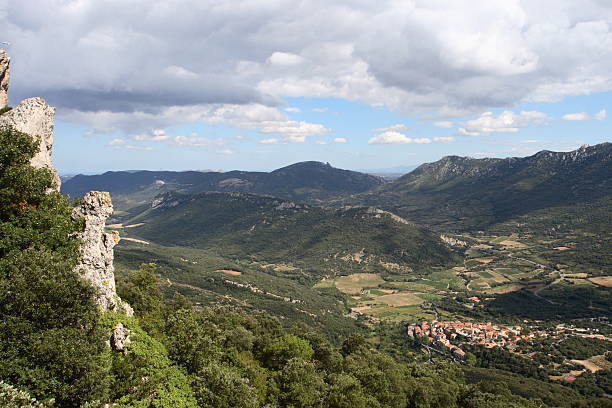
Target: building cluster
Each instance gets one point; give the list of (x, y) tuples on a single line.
[(449, 336)]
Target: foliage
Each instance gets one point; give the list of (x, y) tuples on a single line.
[(11, 397), (50, 344), (581, 348), (143, 375), (142, 289)]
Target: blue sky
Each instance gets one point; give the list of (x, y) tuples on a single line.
[(355, 122), (211, 84)]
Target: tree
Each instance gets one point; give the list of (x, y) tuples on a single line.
[(50, 341), (283, 349), (142, 289)]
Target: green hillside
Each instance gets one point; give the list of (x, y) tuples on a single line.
[(316, 240), (460, 193)]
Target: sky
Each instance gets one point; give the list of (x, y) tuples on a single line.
[(260, 84)]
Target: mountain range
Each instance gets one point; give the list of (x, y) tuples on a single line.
[(306, 181)]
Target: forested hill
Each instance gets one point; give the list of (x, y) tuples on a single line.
[(246, 225), (457, 193), (306, 181)]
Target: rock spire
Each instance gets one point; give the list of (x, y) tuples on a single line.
[(5, 73), (96, 250)]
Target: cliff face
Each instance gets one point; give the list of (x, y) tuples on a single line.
[(96, 264), (34, 117), (5, 72)]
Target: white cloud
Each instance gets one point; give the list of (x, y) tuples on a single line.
[(506, 122), (284, 59), (292, 131), (340, 140), (180, 72), (321, 142), (265, 119), (293, 109), (225, 151), (122, 144), (319, 110), (157, 135), (391, 137), (271, 141), (117, 142), (393, 128), (444, 139), (601, 115), (443, 58), (196, 141), (444, 124)]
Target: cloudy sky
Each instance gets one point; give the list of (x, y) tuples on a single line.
[(258, 84)]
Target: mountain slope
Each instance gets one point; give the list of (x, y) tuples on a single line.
[(317, 240), (307, 181), (458, 193)]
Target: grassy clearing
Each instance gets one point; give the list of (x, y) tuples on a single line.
[(513, 287), (401, 299), (354, 284)]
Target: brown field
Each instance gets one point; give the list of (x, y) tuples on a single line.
[(229, 272), (482, 246), (602, 281), (401, 299), (353, 284), (577, 275), (485, 260), (562, 248), (513, 244), (504, 289), (594, 363), (360, 309)]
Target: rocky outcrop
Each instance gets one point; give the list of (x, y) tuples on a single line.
[(34, 117), (120, 337), (5, 73), (96, 251)]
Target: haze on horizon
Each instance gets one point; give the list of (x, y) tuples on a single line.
[(258, 85)]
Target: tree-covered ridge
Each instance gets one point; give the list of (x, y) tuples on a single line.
[(319, 240), (462, 193), (307, 181)]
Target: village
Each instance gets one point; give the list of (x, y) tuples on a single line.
[(449, 336), (442, 335)]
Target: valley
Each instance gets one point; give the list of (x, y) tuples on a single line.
[(356, 268)]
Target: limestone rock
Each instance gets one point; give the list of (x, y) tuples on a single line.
[(34, 117), (96, 251), (120, 337), (5, 71)]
